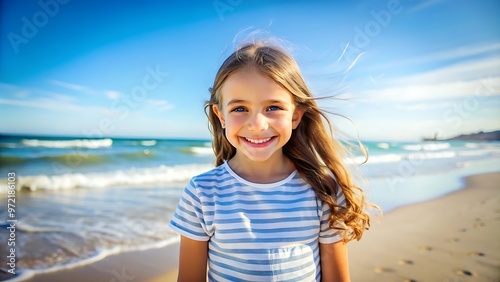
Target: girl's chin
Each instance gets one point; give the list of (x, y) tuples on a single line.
[(260, 157)]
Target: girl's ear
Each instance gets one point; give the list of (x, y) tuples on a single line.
[(297, 116), (218, 113)]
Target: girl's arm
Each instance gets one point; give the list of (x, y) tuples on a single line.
[(192, 260), (334, 262)]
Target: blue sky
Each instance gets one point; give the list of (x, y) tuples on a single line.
[(402, 70)]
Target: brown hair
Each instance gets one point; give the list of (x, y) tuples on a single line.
[(317, 156)]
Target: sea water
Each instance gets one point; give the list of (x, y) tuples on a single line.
[(79, 200)]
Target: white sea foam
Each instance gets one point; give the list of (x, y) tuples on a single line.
[(425, 155), (383, 145), (415, 147), (22, 275), (131, 177), (427, 147), (472, 145), (433, 155), (77, 143), (436, 146), (388, 158), (148, 143), (202, 150), (26, 227)]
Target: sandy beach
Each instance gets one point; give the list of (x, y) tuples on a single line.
[(452, 238)]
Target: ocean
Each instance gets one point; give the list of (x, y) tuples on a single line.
[(79, 200)]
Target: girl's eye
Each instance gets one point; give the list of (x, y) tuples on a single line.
[(238, 109), (273, 108)]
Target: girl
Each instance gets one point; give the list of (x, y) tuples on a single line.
[(280, 205)]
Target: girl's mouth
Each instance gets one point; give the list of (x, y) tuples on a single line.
[(259, 142)]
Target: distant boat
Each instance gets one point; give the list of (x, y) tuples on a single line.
[(431, 139)]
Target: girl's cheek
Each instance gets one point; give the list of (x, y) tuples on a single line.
[(237, 120)]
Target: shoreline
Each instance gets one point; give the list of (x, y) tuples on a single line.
[(442, 239), (151, 265)]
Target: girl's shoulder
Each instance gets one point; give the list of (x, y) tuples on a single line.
[(210, 178), (210, 184)]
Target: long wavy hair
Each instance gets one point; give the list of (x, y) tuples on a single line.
[(316, 154)]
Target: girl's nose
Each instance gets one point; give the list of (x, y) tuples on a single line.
[(257, 122)]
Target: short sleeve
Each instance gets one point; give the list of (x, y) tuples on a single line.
[(329, 235), (188, 219)]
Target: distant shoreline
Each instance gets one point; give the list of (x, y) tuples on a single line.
[(480, 136)]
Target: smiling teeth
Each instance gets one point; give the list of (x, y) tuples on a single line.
[(258, 141)]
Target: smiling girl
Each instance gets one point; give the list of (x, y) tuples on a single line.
[(280, 205)]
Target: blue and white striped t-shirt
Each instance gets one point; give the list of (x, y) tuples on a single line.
[(256, 232)]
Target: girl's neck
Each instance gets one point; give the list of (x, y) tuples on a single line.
[(276, 168)]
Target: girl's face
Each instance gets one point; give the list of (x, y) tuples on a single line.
[(258, 114)]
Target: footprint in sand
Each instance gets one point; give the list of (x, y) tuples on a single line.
[(463, 230), (425, 248), (476, 254), (479, 224), (383, 270), (464, 272), (453, 240), (405, 262)]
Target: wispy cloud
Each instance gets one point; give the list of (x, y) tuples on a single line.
[(113, 95), (460, 53), (22, 103), (55, 105), (161, 105), (58, 97), (430, 105), (436, 91), (467, 70), (473, 77), (43, 99), (67, 85), (21, 94), (424, 5)]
